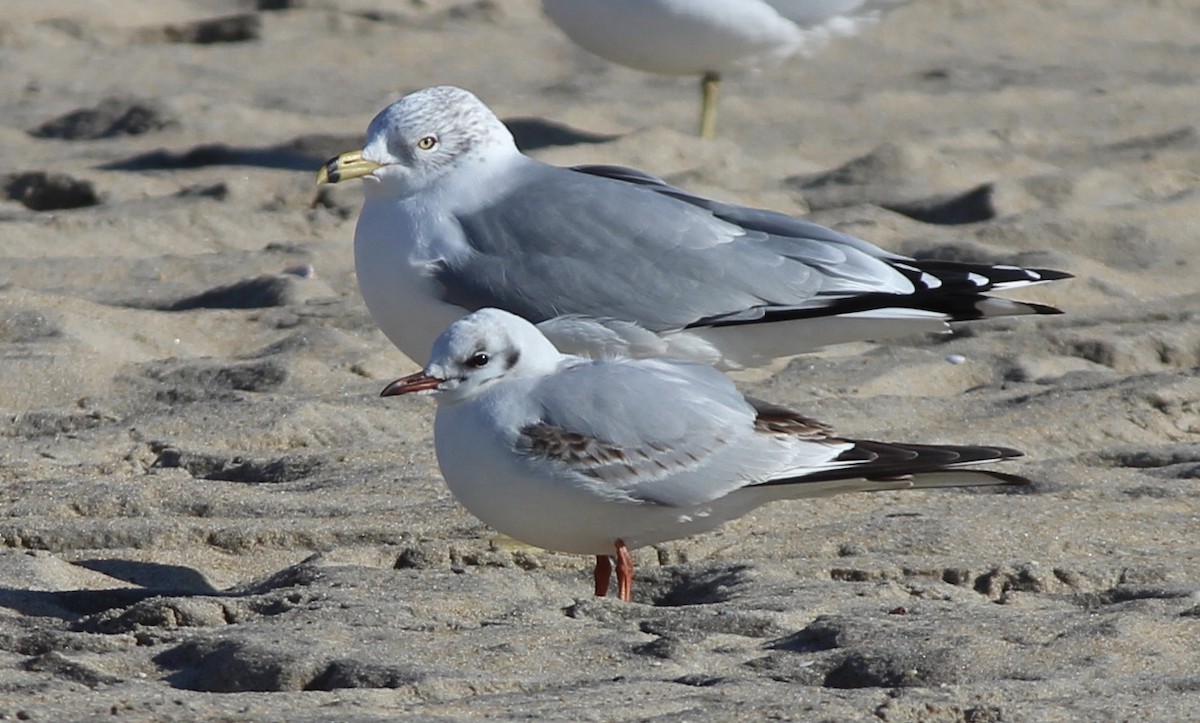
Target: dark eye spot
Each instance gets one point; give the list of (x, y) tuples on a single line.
[(479, 360)]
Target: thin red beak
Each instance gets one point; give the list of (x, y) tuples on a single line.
[(419, 382)]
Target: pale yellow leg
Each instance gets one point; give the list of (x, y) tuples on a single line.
[(708, 108)]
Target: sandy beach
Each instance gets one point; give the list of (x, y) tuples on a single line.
[(208, 513)]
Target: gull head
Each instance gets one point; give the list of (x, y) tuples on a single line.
[(478, 351), (421, 138)]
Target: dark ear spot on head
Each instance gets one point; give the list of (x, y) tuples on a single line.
[(514, 355)]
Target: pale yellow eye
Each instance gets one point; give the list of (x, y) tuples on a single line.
[(427, 142)]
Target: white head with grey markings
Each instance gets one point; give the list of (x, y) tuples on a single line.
[(422, 138), (477, 351)]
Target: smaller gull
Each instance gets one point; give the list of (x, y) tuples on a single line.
[(611, 260), (597, 457), (708, 37)]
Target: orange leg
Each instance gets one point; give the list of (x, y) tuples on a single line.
[(603, 574), (624, 572)]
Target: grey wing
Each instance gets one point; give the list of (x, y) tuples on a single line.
[(621, 244), (867, 278), (772, 223), (657, 431)]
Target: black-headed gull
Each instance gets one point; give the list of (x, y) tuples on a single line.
[(708, 37), (601, 456), (609, 260)]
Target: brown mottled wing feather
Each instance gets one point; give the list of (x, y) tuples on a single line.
[(780, 420), (774, 419), (602, 460)]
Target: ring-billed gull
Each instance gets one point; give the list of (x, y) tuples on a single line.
[(611, 260), (602, 456), (708, 37)]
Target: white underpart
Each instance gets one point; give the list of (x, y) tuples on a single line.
[(398, 242)]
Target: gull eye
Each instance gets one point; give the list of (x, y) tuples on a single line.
[(479, 360), (427, 143)]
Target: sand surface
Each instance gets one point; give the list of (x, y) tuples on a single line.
[(208, 513)]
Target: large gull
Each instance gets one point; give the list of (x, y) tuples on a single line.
[(611, 260)]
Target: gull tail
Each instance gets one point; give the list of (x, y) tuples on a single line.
[(960, 290), (871, 466), (944, 290)]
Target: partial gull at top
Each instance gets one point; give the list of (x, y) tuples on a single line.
[(708, 37), (610, 260), (600, 457)]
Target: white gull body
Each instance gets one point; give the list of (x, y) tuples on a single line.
[(610, 260), (708, 37), (587, 456)]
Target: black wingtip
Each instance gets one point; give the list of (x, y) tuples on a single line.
[(1044, 309), (1011, 480), (1052, 274)]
